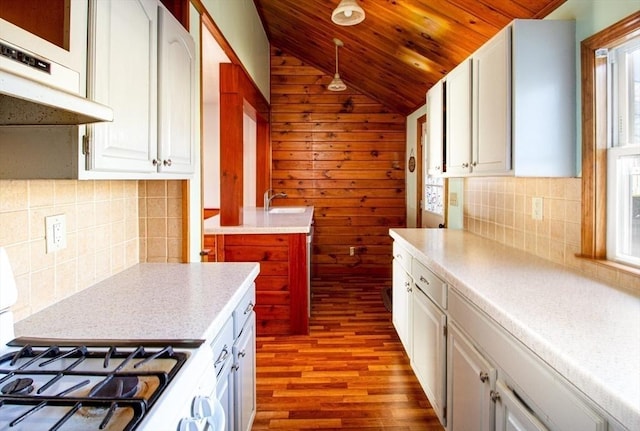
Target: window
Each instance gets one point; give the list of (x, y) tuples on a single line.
[(623, 154), (611, 144)]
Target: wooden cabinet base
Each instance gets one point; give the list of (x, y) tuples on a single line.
[(282, 292)]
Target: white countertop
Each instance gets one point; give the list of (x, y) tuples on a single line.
[(586, 330), (148, 301), (256, 220)]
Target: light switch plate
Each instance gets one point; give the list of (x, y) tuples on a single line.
[(56, 232)]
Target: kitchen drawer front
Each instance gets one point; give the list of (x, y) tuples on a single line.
[(243, 310), (429, 283), (222, 346), (402, 256), (536, 384)]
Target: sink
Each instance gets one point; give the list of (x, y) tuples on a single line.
[(287, 210)]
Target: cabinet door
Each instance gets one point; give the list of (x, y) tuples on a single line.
[(244, 353), (470, 382), (123, 75), (176, 96), (435, 129), (429, 350), (458, 114), (401, 313), (492, 108), (224, 391), (511, 414)]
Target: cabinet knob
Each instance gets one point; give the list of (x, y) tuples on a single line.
[(465, 165), (398, 256), (484, 376), (495, 396), (167, 162), (155, 162), (474, 164), (242, 354)]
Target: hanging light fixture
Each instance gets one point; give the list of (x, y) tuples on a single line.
[(348, 12), (337, 84)]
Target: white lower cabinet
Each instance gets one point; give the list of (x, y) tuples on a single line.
[(528, 394), (511, 414), (234, 353), (470, 381), (429, 326), (402, 285), (476, 375)]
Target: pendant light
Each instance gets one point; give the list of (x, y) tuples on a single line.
[(348, 12), (337, 84)]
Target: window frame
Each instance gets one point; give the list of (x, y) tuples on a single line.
[(594, 137)]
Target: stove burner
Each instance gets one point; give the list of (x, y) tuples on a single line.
[(19, 386), (116, 387)]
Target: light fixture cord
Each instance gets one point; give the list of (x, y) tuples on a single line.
[(336, 58)]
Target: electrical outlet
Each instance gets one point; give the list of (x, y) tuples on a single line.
[(56, 232), (352, 251), (536, 208), (453, 199)]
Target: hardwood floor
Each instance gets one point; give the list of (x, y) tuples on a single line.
[(351, 372)]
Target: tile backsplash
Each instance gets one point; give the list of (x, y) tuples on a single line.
[(111, 226), (500, 208)]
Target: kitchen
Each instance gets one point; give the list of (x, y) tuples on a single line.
[(113, 224)]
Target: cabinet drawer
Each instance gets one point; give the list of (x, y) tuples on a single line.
[(243, 310), (427, 281), (402, 256), (222, 346)]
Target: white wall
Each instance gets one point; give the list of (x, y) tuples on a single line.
[(411, 179), (239, 22)]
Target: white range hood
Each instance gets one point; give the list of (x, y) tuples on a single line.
[(27, 102)]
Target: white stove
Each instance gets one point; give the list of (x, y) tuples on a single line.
[(119, 385)]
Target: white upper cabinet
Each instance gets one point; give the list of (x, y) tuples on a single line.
[(491, 142), (176, 96), (435, 129), (142, 64), (510, 107), (458, 119), (123, 74)]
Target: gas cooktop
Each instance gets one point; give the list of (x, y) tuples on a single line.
[(86, 386)]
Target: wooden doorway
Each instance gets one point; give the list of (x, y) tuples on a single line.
[(421, 134)]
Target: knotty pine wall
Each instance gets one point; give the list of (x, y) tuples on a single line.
[(344, 154)]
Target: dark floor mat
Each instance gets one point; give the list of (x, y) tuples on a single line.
[(387, 299)]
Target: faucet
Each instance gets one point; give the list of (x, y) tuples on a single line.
[(268, 199)]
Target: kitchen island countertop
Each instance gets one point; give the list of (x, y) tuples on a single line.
[(258, 221), (148, 301), (586, 330)]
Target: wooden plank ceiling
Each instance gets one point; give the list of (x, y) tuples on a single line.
[(401, 48)]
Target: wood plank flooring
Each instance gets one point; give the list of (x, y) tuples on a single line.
[(351, 372)]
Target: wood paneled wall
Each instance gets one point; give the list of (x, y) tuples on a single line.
[(343, 153)]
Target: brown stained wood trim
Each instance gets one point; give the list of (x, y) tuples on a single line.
[(594, 139), (298, 284), (263, 161), (419, 178)]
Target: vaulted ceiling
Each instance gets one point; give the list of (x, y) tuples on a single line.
[(401, 48)]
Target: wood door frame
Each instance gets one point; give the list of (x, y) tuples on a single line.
[(420, 124)]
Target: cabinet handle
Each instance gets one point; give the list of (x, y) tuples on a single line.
[(242, 354), (223, 356), (235, 367), (398, 256), (249, 308), (424, 280), (155, 162), (167, 162), (465, 165), (484, 376), (495, 396)]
